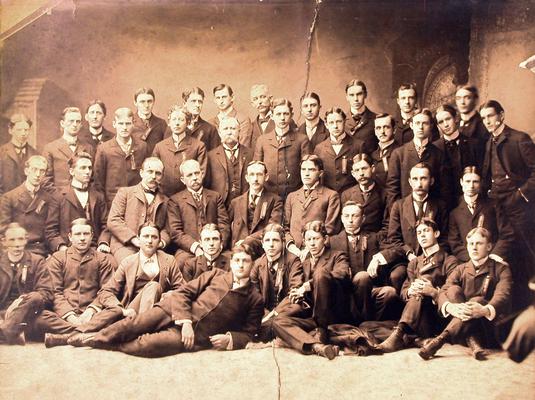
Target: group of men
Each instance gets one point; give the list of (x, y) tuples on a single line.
[(178, 235)]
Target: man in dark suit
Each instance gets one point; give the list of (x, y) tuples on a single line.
[(474, 295), (13, 155), (360, 125), (384, 131), (136, 205), (407, 99), (251, 212), (227, 163), (180, 146), (59, 152), (147, 127), (471, 125), (95, 133), (313, 127), (28, 205), (25, 286), (220, 311), (78, 200), (191, 209), (118, 161), (224, 100), (337, 152), (281, 150)]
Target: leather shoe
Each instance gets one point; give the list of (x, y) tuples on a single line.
[(56, 339), (79, 339), (323, 335), (325, 350), (430, 349), (392, 343), (478, 352)]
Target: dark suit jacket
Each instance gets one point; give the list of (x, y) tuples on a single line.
[(364, 130), (119, 291), (37, 278), (184, 222), (218, 176), (381, 167), (516, 151), (67, 208), (404, 134), (128, 213), (113, 169), (215, 308), (478, 134), (374, 207), (151, 134), (337, 167), (283, 162), (322, 204), (188, 149), (11, 167), (335, 262), (366, 248), (194, 267), (203, 131), (257, 130), (462, 221), (320, 135), (86, 137)]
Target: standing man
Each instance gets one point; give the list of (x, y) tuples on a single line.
[(261, 102), (118, 161), (471, 124), (200, 129), (13, 155), (224, 100), (313, 127), (95, 133), (147, 127), (407, 99), (360, 125), (384, 131)]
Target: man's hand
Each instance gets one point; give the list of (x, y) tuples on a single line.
[(199, 251), (427, 289), (478, 310), (103, 248), (460, 310), (411, 256), (74, 320), (296, 294), (295, 251), (62, 247), (86, 315), (239, 243), (135, 242), (415, 288), (188, 336), (220, 342), (373, 267), (129, 312)]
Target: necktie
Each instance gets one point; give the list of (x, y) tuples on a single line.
[(83, 190), (252, 204), (209, 265), (354, 240), (150, 191), (357, 118), (233, 155), (72, 146), (280, 139), (263, 120), (307, 192), (420, 214), (451, 144), (420, 150), (271, 268), (472, 207), (20, 151), (366, 194)]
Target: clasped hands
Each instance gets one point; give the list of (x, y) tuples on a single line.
[(468, 310), (219, 341)]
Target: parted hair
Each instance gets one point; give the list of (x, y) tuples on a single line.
[(19, 118), (316, 226), (335, 110), (482, 231)]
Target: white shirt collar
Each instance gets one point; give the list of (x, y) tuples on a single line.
[(480, 262), (470, 200), (453, 137), (466, 117), (280, 133), (414, 200), (369, 189), (123, 145), (256, 194), (421, 143), (143, 258), (71, 140), (431, 250), (77, 184), (30, 188), (314, 186), (312, 124), (96, 132), (199, 192), (236, 284), (383, 146), (359, 111), (499, 131), (143, 118)]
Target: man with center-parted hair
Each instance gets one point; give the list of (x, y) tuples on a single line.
[(314, 127), (217, 310), (407, 100), (471, 124), (360, 125), (95, 133), (384, 131), (147, 126)]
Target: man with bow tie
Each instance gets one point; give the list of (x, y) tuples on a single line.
[(227, 163), (25, 286), (360, 125), (314, 127), (95, 133), (13, 155), (136, 205), (191, 209), (180, 146), (59, 152), (384, 131), (193, 100), (147, 126), (251, 212), (28, 205), (425, 276)]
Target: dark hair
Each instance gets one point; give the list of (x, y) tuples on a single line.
[(407, 86), (148, 224), (80, 221), (385, 115), (471, 169), (311, 95), (188, 92), (212, 227), (274, 227), (182, 109), (492, 104), (316, 226), (242, 248), (446, 108), (424, 111), (428, 222), (100, 103), (314, 159), (336, 110), (423, 165), (469, 88), (19, 118), (362, 157), (356, 82), (78, 156), (222, 86), (144, 91), (282, 102)]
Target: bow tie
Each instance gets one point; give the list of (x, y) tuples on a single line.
[(151, 191), (19, 149), (263, 120), (451, 144), (83, 190)]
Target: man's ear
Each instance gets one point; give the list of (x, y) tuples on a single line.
[(432, 181), (436, 234)]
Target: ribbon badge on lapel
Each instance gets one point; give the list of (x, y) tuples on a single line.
[(24, 274), (364, 243), (480, 221), (40, 207), (263, 211)]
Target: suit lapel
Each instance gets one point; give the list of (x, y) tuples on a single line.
[(131, 274), (222, 158), (260, 210)]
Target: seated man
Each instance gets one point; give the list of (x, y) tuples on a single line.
[(134, 288), (220, 311), (474, 294), (77, 273), (275, 274), (324, 273), (425, 275), (25, 286), (211, 258), (251, 212)]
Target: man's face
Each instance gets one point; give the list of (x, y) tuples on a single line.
[(149, 239), (80, 237), (194, 104), (406, 100), (123, 125), (421, 126), (20, 132), (35, 172), (229, 129), (210, 242), (446, 123), (178, 122), (192, 176), (310, 108), (471, 184), (223, 100), (82, 170), (420, 181), (356, 97), (281, 116), (14, 241), (95, 116), (478, 247), (272, 244), (256, 177), (352, 217), (310, 173), (465, 101), (144, 104), (362, 172), (241, 264), (383, 129), (426, 236), (491, 119), (314, 242), (71, 123), (151, 173), (261, 100), (335, 124)]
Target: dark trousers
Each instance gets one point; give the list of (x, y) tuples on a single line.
[(421, 315), (294, 331), (521, 339), (21, 314), (284, 308)]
